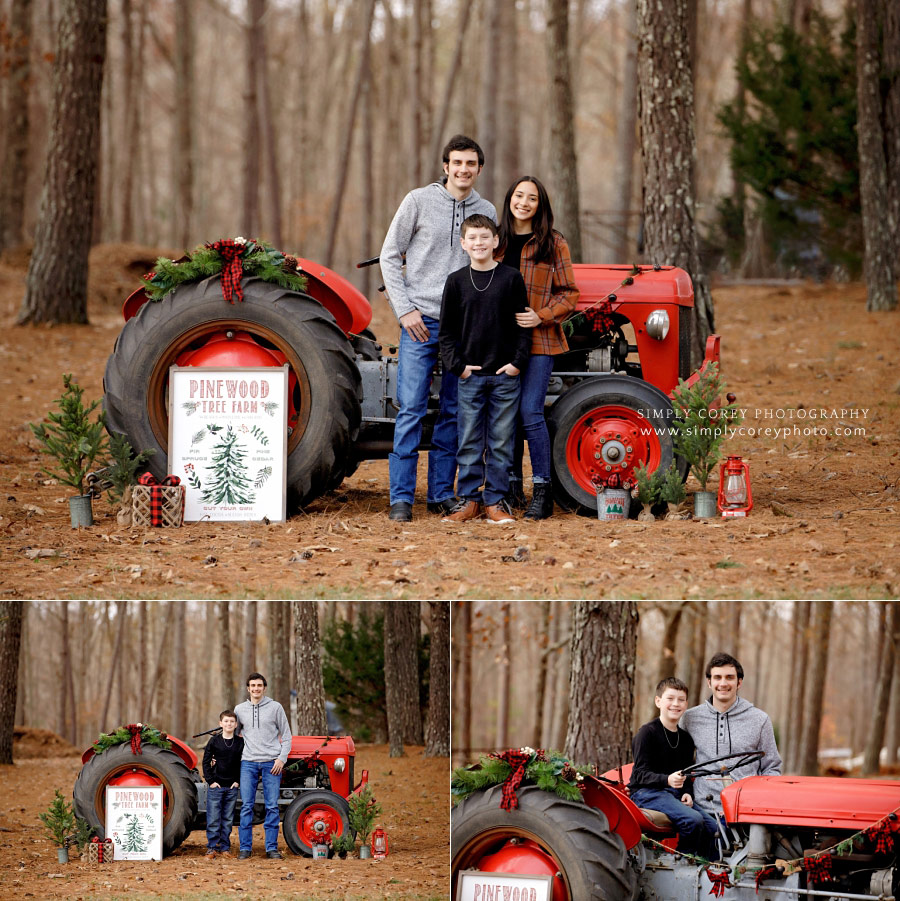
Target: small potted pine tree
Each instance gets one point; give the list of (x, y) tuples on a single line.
[(342, 844), (673, 493), (59, 823), (701, 425), (364, 811), (648, 487), (75, 440)]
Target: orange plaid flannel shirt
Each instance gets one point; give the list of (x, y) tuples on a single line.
[(551, 294)]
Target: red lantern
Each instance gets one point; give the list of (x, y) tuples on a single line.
[(379, 844), (735, 497)]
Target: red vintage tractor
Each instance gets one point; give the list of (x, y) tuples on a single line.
[(608, 404), (315, 785), (593, 849)]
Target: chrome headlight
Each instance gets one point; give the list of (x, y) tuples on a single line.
[(658, 324), (340, 765)]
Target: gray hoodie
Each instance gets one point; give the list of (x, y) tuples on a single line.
[(265, 730), (425, 229), (742, 727)]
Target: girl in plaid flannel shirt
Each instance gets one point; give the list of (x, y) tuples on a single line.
[(529, 243)]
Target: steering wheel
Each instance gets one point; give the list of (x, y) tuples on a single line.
[(706, 768)]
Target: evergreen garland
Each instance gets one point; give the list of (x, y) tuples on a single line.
[(258, 259), (548, 770), (149, 735)]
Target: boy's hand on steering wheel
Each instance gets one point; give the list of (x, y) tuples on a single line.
[(676, 780)]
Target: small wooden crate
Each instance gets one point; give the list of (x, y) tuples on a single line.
[(93, 852), (172, 507)]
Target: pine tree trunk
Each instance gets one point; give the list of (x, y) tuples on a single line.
[(463, 709), (892, 735), (604, 649), (14, 168), (540, 693), (270, 141), (183, 145), (564, 160), (11, 613), (880, 705), (668, 151), (626, 135), (22, 696), (793, 732), (878, 226), (672, 613), (891, 81), (311, 719), (343, 165), (179, 672), (440, 123), (401, 676), (144, 645), (491, 74), (696, 683), (437, 733), (812, 718), (248, 663), (113, 665), (508, 104), (415, 92), (229, 694), (56, 286), (280, 653), (501, 739), (562, 632), (250, 216)]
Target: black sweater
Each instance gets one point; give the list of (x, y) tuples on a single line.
[(655, 758), (222, 760), (478, 325)]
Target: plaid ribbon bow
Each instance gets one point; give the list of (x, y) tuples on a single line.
[(233, 270), (600, 316), (156, 494), (135, 731), (719, 882), (818, 868), (882, 835), (764, 874), (517, 760)]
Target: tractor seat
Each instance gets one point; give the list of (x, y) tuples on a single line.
[(652, 822), (658, 821)]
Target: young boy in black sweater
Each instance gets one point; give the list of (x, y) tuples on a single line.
[(222, 772), (483, 345), (661, 749)]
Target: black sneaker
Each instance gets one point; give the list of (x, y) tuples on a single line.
[(274, 855), (541, 506), (447, 507), (515, 495), (401, 512), (243, 855)]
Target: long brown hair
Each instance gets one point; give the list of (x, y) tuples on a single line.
[(541, 225)]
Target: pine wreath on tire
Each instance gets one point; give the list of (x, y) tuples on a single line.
[(592, 860), (166, 767), (329, 389)]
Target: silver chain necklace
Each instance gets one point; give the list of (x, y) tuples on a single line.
[(472, 279), (225, 742), (677, 738)]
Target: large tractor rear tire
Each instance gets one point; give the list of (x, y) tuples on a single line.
[(614, 421), (271, 325), (590, 859), (157, 767)]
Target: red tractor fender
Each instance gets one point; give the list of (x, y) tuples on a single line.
[(349, 306), (622, 814), (178, 747)]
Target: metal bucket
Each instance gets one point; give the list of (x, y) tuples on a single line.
[(613, 504), (704, 504), (80, 511)]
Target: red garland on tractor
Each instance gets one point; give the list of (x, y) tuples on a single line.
[(312, 801), (784, 838), (608, 405)]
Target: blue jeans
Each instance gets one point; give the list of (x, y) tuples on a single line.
[(220, 804), (251, 771), (416, 366), (487, 418), (696, 828), (535, 380)]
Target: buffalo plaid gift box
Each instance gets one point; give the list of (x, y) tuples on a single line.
[(156, 503), (100, 851)]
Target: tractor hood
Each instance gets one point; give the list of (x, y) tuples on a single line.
[(326, 745), (816, 802)]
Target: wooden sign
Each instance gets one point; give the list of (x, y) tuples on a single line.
[(134, 821), (473, 885), (228, 441)]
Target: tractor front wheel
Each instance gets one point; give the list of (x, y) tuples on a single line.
[(313, 814), (603, 426), (567, 840), (153, 766)]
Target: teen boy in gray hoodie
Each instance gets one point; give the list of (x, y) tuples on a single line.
[(727, 724), (424, 235), (263, 725)]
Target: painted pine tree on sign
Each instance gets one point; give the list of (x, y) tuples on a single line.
[(230, 481)]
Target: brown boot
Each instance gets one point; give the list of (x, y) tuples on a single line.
[(211, 855), (498, 512), (226, 854), (472, 510)]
